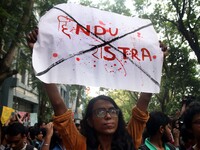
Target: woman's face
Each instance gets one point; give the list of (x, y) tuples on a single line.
[(196, 126), (104, 118)]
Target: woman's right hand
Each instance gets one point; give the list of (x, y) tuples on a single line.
[(32, 38)]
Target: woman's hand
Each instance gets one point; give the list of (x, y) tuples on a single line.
[(32, 38), (163, 48)]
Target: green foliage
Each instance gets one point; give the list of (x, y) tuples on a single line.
[(41, 6), (87, 3), (11, 14), (118, 6), (125, 100)]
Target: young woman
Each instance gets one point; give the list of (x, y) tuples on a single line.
[(103, 127)]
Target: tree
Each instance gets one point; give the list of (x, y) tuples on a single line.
[(118, 6), (179, 78), (15, 17), (42, 6), (187, 22), (183, 16), (175, 21), (126, 100)]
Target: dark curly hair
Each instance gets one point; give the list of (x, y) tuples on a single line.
[(156, 120), (192, 110), (15, 129), (121, 138)]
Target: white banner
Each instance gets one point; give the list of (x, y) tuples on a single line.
[(87, 46), (33, 119)]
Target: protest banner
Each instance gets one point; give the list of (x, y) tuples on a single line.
[(6, 113), (25, 117), (86, 46)]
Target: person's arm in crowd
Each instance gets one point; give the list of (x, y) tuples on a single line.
[(7, 122), (140, 115), (139, 118), (145, 98), (57, 102), (143, 101), (18, 118), (47, 139), (176, 135), (62, 119)]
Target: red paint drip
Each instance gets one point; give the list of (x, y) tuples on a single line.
[(101, 23), (55, 55), (154, 57), (138, 34), (119, 69), (77, 59)]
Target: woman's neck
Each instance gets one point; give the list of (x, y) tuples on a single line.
[(105, 142)]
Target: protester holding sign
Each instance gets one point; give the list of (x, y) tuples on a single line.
[(103, 119), (103, 126)]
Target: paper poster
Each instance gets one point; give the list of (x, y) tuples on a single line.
[(24, 117), (86, 46), (33, 118)]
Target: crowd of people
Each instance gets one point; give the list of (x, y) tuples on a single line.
[(103, 126), (17, 136)]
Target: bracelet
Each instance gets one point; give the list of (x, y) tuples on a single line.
[(45, 144)]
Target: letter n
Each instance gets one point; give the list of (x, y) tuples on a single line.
[(82, 29)]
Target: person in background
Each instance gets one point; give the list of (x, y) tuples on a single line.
[(159, 131), (41, 124), (78, 124), (186, 139), (191, 121), (31, 135), (16, 138), (39, 134), (175, 132), (52, 140)]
